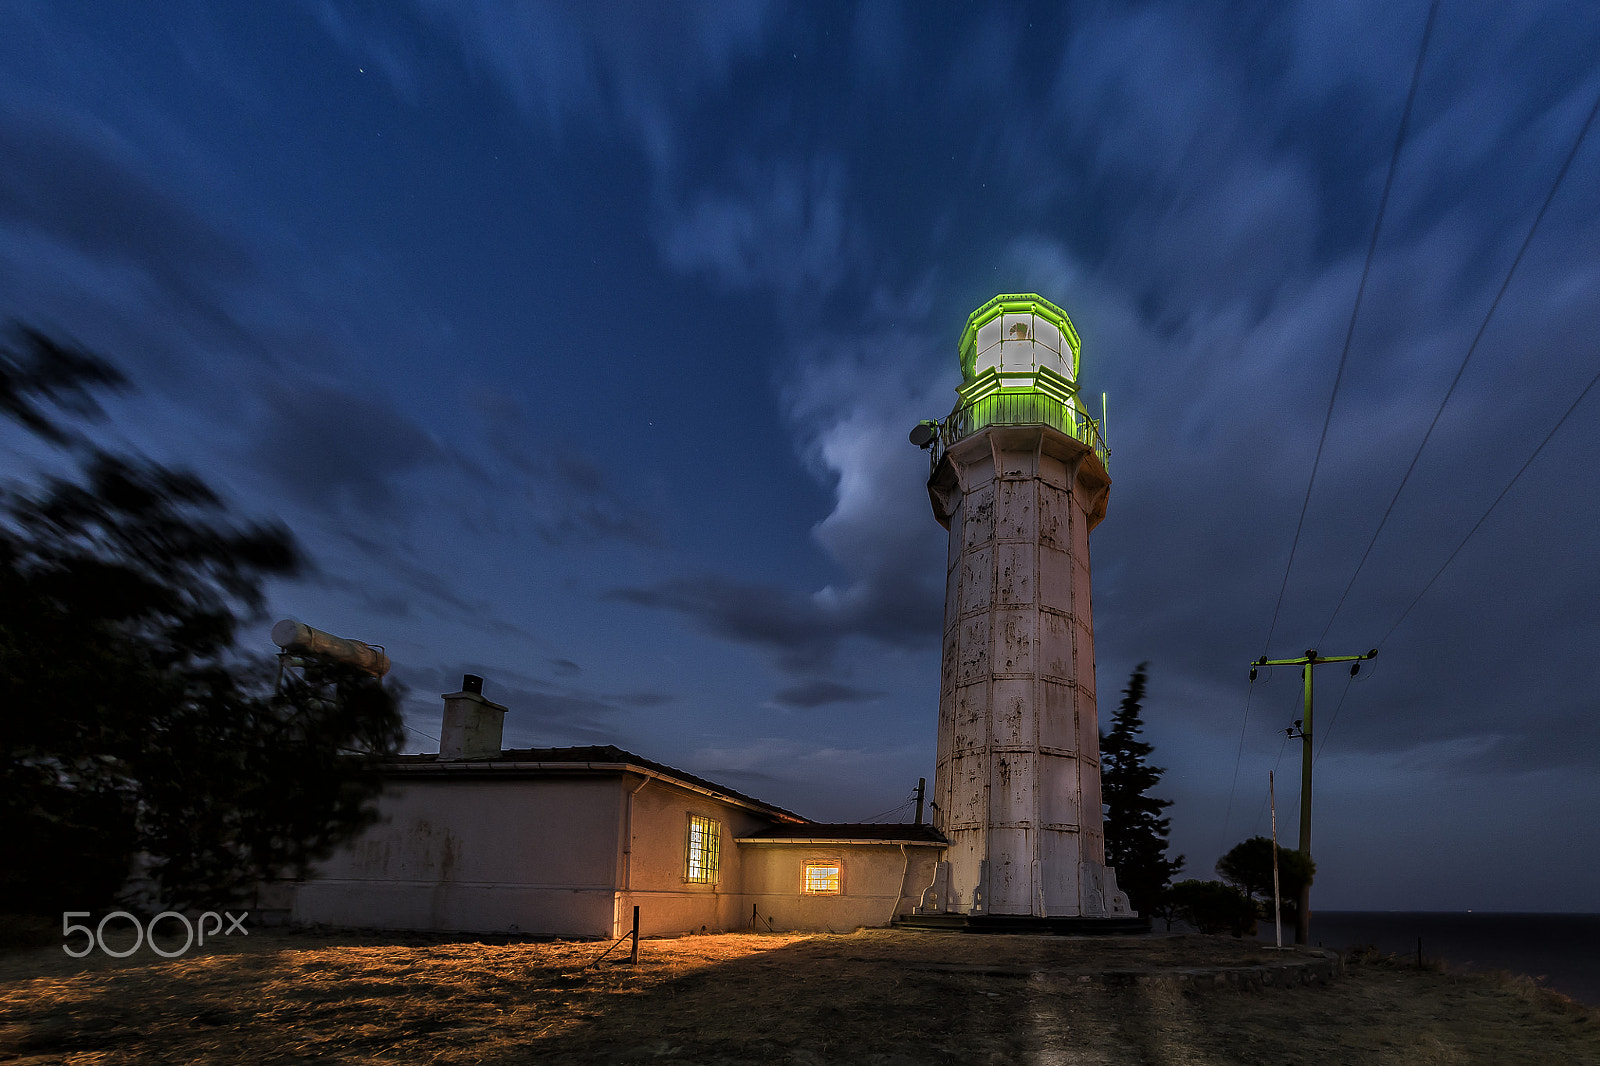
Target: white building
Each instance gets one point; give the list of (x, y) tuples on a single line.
[(567, 841)]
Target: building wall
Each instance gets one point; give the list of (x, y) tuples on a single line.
[(878, 882), (572, 856), (517, 856), (658, 855)]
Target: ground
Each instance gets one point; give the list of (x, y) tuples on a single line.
[(874, 997)]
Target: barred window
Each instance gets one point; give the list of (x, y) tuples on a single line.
[(705, 839), (821, 879)]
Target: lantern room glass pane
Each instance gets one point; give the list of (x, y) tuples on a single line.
[(1046, 333), (1017, 327)]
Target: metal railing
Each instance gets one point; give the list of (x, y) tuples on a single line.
[(1023, 409)]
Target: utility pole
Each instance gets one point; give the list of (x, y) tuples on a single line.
[(1302, 919)]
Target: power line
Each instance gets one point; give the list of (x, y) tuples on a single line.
[(1334, 717), (1344, 355), (894, 810), (1237, 758), (1266, 796), (1355, 311), (1471, 349), (1482, 518)]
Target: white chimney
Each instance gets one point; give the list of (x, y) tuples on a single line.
[(473, 726)]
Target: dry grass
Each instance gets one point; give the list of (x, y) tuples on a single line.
[(873, 997)]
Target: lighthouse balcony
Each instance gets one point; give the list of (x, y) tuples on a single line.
[(1038, 398)]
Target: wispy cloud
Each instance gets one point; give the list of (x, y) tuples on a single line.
[(812, 694), (541, 711)]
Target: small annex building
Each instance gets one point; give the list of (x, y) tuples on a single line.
[(567, 841)]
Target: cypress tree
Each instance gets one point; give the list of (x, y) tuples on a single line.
[(1136, 831)]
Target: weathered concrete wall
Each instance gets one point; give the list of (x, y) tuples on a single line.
[(484, 855), (1017, 782), (878, 882)]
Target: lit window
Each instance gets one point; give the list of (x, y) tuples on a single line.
[(705, 836), (822, 879)]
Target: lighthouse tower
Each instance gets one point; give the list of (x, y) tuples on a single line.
[(1019, 479)]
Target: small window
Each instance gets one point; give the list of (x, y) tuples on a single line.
[(821, 879), (705, 839)]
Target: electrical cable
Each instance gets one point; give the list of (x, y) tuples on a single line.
[(1237, 758), (1344, 355), (1267, 798), (1471, 350), (894, 810), (1355, 311), (1484, 517), (1334, 717)]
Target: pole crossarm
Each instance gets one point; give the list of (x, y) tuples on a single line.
[(1311, 658)]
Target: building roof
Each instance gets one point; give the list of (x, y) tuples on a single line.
[(841, 832), (594, 758)]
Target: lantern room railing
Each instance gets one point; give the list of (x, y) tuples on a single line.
[(1024, 408)]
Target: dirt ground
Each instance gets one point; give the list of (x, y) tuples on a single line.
[(874, 997)]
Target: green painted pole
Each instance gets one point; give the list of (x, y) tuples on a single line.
[(1302, 922), (1302, 918), (1305, 758)]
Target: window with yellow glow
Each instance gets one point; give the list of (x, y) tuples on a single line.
[(705, 838), (822, 879)]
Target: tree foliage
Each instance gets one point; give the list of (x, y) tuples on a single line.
[(1248, 865), (1136, 831), (1213, 907), (130, 723)]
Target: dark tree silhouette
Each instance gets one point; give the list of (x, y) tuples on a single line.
[(1248, 865), (1213, 907), (1136, 832), (130, 723)]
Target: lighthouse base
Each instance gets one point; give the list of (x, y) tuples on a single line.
[(1025, 924)]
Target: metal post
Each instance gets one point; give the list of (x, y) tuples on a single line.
[(1277, 906), (634, 958)]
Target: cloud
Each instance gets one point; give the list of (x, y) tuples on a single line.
[(569, 493), (785, 227), (608, 63), (541, 712), (765, 760), (784, 622), (77, 183), (91, 240), (380, 48), (333, 449), (385, 563), (850, 400), (813, 694)]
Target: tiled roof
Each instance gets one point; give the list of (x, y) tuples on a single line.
[(580, 758), (863, 831)]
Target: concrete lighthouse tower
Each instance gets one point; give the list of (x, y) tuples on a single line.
[(1019, 479)]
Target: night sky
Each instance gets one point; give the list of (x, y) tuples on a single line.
[(578, 345)]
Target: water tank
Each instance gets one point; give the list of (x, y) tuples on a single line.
[(297, 638)]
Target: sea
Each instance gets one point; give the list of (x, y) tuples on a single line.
[(1562, 951)]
